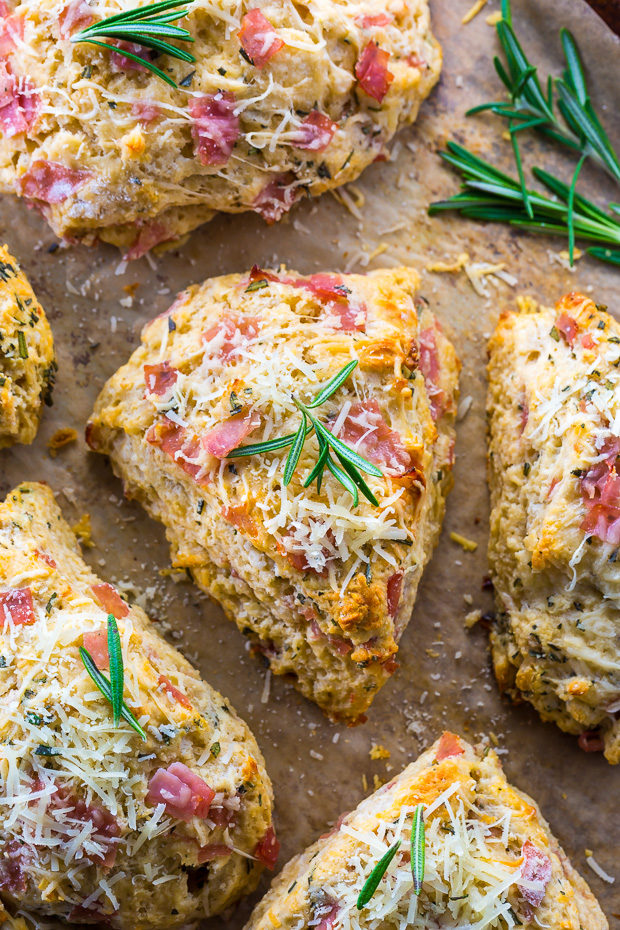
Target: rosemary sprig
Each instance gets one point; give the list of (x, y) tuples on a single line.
[(418, 848), (529, 107), (112, 690), (351, 464), (372, 882), (147, 26), (489, 194), (117, 671)]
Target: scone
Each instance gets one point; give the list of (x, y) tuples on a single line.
[(27, 362), (281, 101), (554, 441), (323, 585), (491, 860), (99, 825)]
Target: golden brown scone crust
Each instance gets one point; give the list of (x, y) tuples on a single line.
[(115, 153), (554, 421), (61, 750), (27, 363), (322, 588), (322, 883)]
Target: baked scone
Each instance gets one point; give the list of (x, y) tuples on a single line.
[(491, 859), (281, 101), (323, 587), (554, 441), (27, 362), (97, 824)]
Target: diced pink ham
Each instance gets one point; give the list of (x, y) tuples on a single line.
[(17, 607), (122, 62), (315, 133), (276, 198), (340, 645), (536, 868), (449, 745), (215, 127), (45, 558), (591, 741), (11, 28), (222, 816), (367, 22), (51, 181), (588, 342), (14, 861), (267, 849), (328, 920), (228, 434), (144, 111), (365, 429), (110, 600), (106, 828), (178, 443), (372, 72), (183, 792), (148, 236), (259, 40), (213, 851), (229, 335), (96, 643), (429, 366), (75, 16), (567, 328), (160, 378), (600, 491), (19, 103), (173, 693), (394, 591), (348, 313)]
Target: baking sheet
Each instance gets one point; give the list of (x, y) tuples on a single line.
[(445, 679)]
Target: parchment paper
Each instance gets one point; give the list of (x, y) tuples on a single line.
[(445, 680)]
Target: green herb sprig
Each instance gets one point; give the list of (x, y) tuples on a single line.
[(489, 194), (418, 848), (113, 688), (148, 26), (351, 464), (563, 113), (372, 882)]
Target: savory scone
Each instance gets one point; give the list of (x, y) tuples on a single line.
[(151, 823), (314, 548), (554, 441), (485, 858), (282, 100), (27, 362)]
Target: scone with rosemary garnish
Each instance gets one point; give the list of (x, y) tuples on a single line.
[(554, 447), (131, 793), (247, 106), (447, 843), (27, 362), (314, 544)]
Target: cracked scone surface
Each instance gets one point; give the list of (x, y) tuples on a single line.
[(491, 859), (323, 588), (27, 362), (88, 833), (554, 441), (283, 100)]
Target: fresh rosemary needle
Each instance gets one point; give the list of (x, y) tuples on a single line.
[(112, 689), (372, 882), (350, 464), (147, 26), (418, 848)]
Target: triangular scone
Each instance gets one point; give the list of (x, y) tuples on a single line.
[(276, 103), (491, 860), (27, 363), (554, 441), (323, 588), (98, 825)]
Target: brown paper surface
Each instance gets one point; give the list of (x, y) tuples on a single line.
[(445, 680)]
